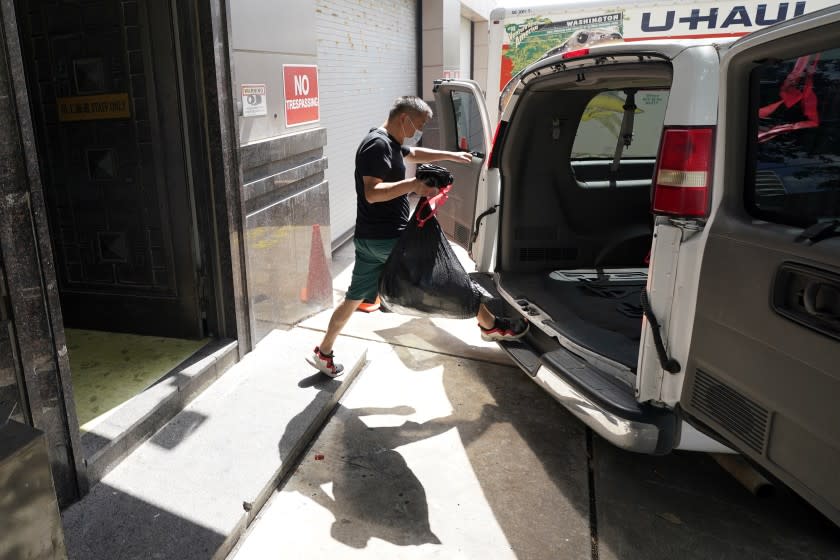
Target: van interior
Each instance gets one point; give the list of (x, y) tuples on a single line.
[(576, 225)]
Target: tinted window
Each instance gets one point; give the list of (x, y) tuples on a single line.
[(795, 175), (468, 124), (600, 125)]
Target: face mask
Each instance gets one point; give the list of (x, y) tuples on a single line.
[(413, 140)]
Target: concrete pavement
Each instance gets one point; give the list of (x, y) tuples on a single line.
[(442, 449), (685, 506), (191, 489), (435, 456)]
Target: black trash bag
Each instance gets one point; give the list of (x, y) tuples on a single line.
[(422, 276)]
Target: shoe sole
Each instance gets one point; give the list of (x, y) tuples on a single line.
[(327, 373), (504, 338)]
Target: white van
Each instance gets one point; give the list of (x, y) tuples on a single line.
[(666, 214)]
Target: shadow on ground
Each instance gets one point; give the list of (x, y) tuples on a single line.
[(374, 494), (114, 524), (684, 505), (552, 494), (678, 506), (527, 452)]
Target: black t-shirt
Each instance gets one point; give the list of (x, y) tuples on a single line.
[(380, 155)]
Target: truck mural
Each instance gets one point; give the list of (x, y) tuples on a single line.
[(521, 36)]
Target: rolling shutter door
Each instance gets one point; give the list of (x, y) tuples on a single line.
[(367, 57)]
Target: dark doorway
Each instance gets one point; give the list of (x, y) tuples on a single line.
[(114, 88), (106, 85), (120, 212)]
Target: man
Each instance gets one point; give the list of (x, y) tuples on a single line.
[(382, 213)]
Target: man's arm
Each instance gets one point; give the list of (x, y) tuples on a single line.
[(426, 155), (377, 190)]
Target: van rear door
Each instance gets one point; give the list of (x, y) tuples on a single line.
[(465, 126), (764, 366)]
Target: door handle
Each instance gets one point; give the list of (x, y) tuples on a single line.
[(819, 298), (808, 296)]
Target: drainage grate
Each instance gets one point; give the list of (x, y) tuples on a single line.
[(739, 415), (462, 234)]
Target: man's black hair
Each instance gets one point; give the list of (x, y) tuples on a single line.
[(412, 105)]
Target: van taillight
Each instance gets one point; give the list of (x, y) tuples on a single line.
[(574, 54), (684, 172), (497, 136)]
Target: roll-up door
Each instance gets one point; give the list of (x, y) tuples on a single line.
[(367, 57)]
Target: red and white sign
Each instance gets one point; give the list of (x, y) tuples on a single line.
[(300, 89)]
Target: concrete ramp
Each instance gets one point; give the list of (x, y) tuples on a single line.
[(193, 488)]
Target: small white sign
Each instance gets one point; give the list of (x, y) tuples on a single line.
[(254, 102)]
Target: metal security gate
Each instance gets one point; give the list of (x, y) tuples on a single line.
[(367, 57), (108, 110)]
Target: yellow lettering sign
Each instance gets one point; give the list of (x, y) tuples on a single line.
[(93, 107)]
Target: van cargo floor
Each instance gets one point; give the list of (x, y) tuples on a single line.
[(604, 316)]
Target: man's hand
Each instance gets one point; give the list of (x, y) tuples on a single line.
[(460, 157), (422, 189)]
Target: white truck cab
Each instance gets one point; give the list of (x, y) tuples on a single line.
[(663, 213)]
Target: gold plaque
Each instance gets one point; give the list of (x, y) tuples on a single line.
[(93, 107)]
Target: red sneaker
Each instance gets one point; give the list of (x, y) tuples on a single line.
[(505, 329), (368, 306), (325, 363)]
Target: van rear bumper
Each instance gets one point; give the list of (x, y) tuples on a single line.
[(631, 435), (607, 406)]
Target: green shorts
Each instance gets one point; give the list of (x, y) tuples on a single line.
[(371, 255)]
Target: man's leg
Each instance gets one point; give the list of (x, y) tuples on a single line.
[(322, 357), (370, 258), (485, 318), (339, 318)]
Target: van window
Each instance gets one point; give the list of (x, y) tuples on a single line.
[(794, 175), (600, 125), (468, 125)]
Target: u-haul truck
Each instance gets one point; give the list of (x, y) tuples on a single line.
[(520, 36)]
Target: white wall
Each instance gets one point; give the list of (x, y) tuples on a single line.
[(478, 11), (466, 49), (259, 51), (367, 56), (480, 53)]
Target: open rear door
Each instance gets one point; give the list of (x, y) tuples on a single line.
[(764, 365), (464, 125)]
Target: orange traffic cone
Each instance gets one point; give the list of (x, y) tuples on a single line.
[(318, 280)]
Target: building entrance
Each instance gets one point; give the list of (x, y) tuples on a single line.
[(114, 115), (120, 220), (105, 90)]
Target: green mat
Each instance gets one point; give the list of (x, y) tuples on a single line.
[(107, 369)]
